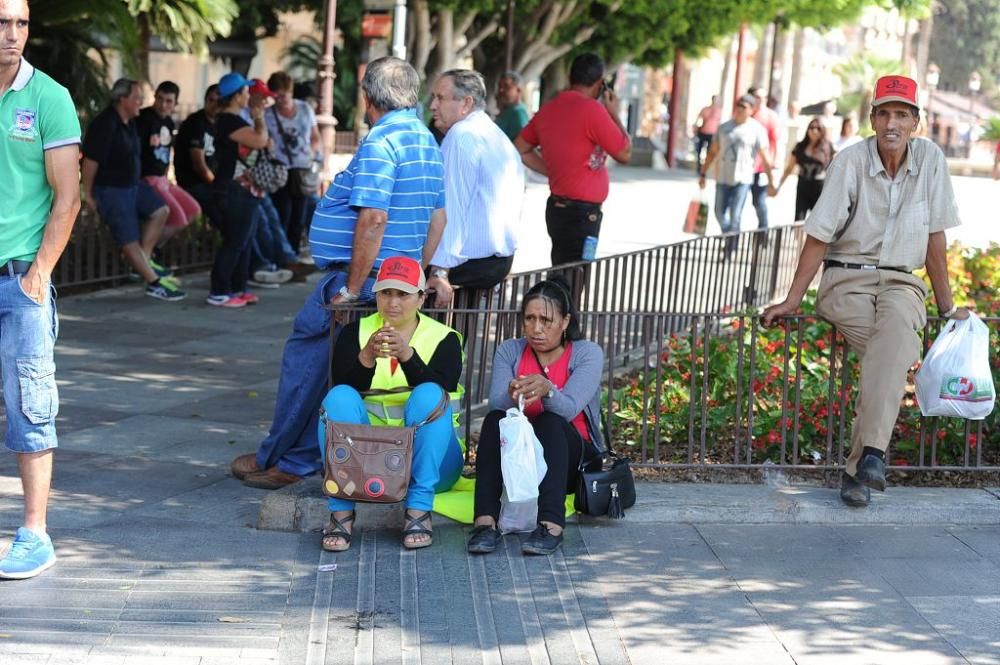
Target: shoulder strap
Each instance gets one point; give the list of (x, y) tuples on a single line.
[(284, 136), (434, 415)]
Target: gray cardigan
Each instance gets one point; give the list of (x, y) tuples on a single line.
[(582, 391)]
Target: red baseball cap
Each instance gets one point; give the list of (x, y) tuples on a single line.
[(896, 89), (400, 272), (258, 87)]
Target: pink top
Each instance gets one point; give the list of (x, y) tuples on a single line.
[(709, 119), (558, 374)]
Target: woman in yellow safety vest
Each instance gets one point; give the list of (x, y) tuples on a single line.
[(399, 347)]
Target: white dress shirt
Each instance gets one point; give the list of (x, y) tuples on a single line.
[(484, 188)]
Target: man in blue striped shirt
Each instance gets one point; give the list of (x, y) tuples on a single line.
[(389, 201), (484, 181)]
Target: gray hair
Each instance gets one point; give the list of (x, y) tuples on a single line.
[(122, 88), (515, 78), (391, 83), (469, 83)]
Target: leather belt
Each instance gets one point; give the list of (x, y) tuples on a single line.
[(565, 201), (830, 263), (12, 268), (346, 267)]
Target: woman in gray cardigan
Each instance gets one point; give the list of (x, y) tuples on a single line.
[(559, 375)]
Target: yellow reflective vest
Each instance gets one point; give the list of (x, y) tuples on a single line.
[(388, 409)]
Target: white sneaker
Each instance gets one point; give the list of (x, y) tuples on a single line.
[(263, 285), (279, 276)]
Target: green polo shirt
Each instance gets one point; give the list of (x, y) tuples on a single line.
[(513, 119), (36, 114)]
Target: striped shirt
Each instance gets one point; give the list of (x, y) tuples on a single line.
[(484, 182), (867, 217), (397, 169)]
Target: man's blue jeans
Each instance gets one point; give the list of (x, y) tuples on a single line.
[(729, 202), (292, 444), (437, 455), (758, 192)]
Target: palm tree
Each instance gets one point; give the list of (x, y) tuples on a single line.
[(857, 78), (183, 25)]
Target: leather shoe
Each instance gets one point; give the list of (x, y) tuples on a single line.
[(484, 539), (852, 492), (871, 472), (272, 479), (541, 541), (244, 465)]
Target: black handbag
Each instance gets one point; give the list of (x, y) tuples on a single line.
[(607, 490)]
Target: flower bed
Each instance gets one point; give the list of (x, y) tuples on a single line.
[(743, 375)]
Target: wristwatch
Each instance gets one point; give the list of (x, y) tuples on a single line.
[(347, 295), (440, 273), (950, 313), (552, 391)]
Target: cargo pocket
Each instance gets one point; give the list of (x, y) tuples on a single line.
[(39, 397)]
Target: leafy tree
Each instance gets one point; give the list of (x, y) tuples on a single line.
[(857, 77), (183, 25), (966, 39)]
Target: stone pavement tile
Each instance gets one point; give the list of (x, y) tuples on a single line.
[(138, 334), (707, 645), (970, 623), (75, 353), (74, 417), (162, 660), (133, 394), (168, 438), (808, 578), (245, 406), (905, 542), (878, 628), (23, 598), (678, 541), (922, 577), (26, 659), (224, 502), (187, 369), (983, 539), (775, 544)]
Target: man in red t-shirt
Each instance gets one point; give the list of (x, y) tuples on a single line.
[(768, 118), (576, 131)]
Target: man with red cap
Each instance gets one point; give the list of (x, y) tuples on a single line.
[(883, 213)]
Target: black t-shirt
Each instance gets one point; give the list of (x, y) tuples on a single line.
[(227, 151), (443, 368), (810, 168), (156, 136), (114, 145), (197, 131)]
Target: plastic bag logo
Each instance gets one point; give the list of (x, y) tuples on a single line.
[(964, 389)]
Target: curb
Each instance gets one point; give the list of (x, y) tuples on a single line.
[(301, 507)]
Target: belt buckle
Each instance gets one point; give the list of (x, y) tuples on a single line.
[(868, 267)]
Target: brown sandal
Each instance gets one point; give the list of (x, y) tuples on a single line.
[(415, 527), (338, 529)]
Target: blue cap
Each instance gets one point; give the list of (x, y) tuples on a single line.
[(231, 84)]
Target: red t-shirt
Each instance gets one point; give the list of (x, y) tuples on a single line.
[(576, 134), (769, 119), (558, 374)]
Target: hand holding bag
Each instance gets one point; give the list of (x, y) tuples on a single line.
[(370, 463), (697, 215), (955, 377), (522, 460)]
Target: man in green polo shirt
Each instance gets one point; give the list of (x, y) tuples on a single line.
[(39, 201), (513, 114)]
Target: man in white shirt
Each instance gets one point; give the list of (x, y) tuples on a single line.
[(484, 187)]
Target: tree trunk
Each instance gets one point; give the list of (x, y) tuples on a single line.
[(906, 55), (795, 84), (924, 47), (761, 57), (727, 67), (779, 68), (142, 57), (422, 39)]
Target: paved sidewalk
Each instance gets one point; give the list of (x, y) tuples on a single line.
[(160, 561)]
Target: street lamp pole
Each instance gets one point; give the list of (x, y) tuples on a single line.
[(399, 30), (933, 77), (327, 123)]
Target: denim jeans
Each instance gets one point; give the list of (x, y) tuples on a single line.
[(269, 245), (292, 444), (29, 332), (758, 192), (729, 202), (291, 209), (437, 455)]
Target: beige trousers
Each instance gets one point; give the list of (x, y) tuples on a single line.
[(879, 313)]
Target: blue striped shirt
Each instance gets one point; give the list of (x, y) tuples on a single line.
[(398, 169)]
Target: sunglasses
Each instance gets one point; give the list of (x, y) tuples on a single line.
[(812, 127)]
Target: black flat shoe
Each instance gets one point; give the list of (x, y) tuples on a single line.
[(852, 492), (871, 472), (541, 541), (484, 539)]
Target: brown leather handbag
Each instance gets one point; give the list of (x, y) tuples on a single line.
[(370, 463)]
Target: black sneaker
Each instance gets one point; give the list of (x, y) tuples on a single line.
[(484, 539), (541, 541)]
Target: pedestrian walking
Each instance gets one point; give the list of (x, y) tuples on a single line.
[(705, 128), (39, 202), (738, 143), (883, 213), (811, 156)]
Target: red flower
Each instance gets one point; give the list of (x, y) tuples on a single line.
[(821, 345)]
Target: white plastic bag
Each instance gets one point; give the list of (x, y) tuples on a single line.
[(519, 517), (522, 462), (955, 378)]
